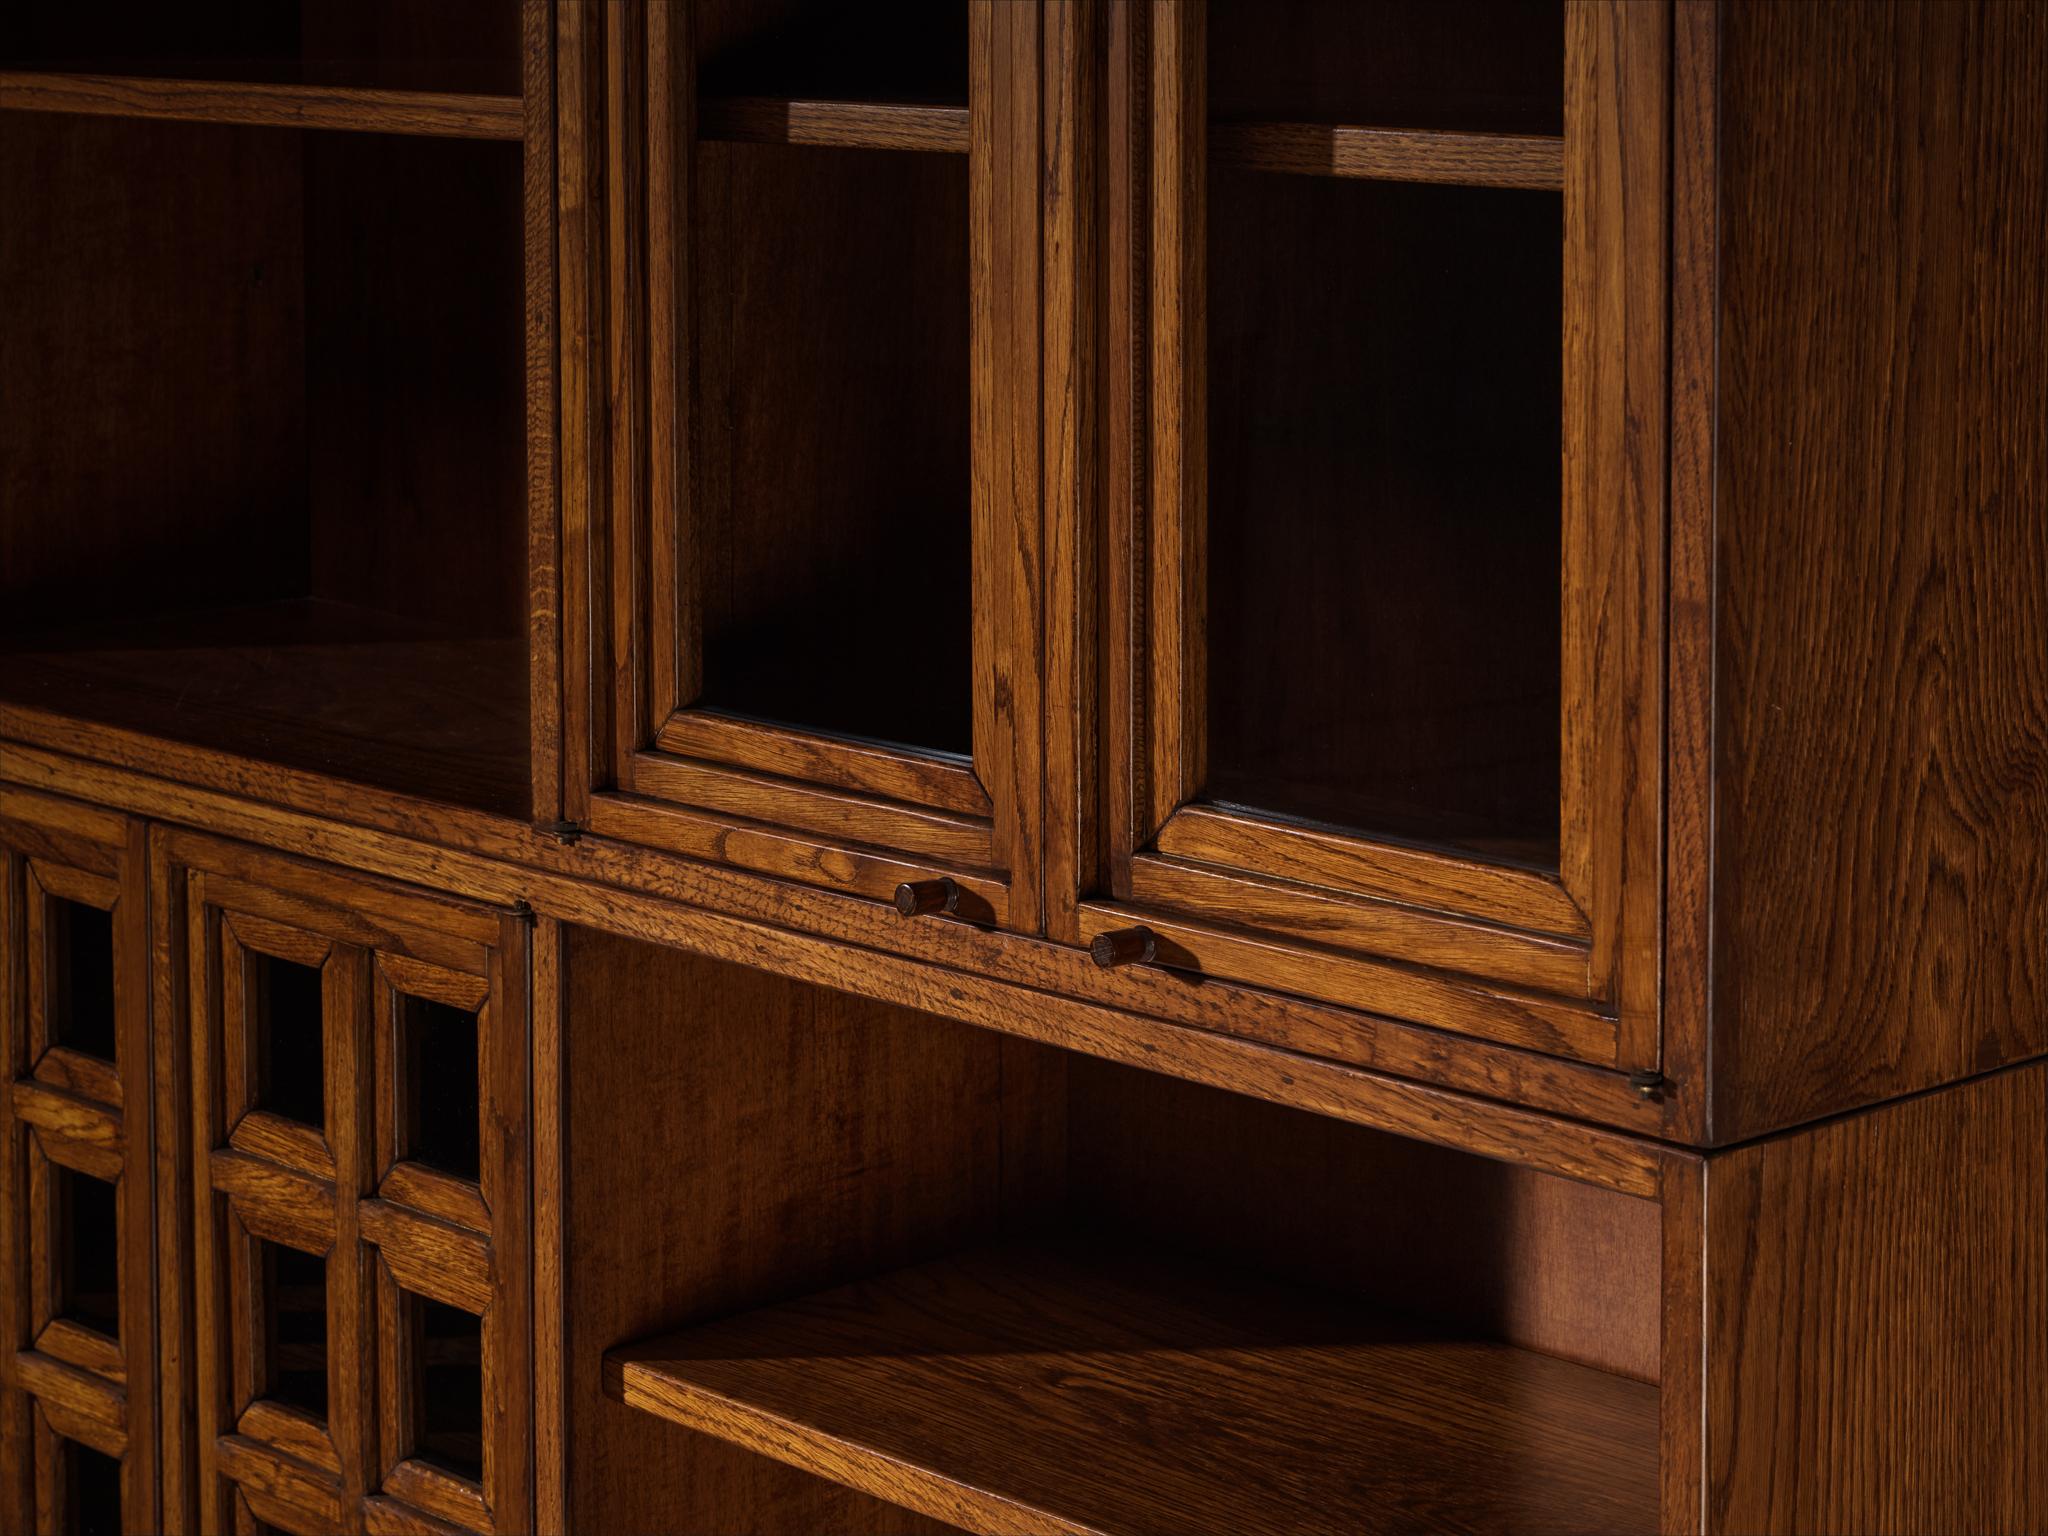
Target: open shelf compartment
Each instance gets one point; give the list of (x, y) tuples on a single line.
[(900, 1264), (264, 447)]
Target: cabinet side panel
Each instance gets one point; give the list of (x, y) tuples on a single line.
[(1882, 666), (1877, 1319)]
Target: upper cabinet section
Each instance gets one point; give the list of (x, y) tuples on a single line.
[(824, 529), (1384, 491), (277, 367)]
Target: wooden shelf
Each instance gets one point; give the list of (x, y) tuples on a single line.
[(1532, 161), (422, 113), (834, 124), (1072, 1389), (351, 692)]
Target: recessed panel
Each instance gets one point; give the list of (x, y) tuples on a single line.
[(448, 1387), (293, 1304), (438, 1086), (86, 1214), (831, 495), (92, 1490), (79, 966), (286, 1018), (1385, 501)]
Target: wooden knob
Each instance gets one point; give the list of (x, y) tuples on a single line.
[(1125, 946), (914, 898)]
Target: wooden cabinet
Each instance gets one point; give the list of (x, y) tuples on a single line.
[(1381, 644), (359, 1244), (1111, 766), (78, 1183), (825, 540)]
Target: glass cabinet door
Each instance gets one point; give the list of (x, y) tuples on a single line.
[(1391, 505), (827, 536)]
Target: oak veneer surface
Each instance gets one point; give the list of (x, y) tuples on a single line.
[(1880, 870), (1876, 1355), (1047, 1388), (352, 692)]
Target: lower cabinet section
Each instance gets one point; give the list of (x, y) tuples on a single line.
[(332, 1204), (851, 1267)]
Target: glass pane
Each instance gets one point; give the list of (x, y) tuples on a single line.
[(1385, 539), (438, 1050), (92, 1491), (284, 1010), (294, 1308), (448, 1387), (80, 969), (832, 441), (86, 1213)]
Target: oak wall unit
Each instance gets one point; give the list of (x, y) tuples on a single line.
[(1080, 766)]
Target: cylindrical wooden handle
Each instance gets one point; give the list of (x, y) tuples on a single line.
[(916, 897), (1124, 946)]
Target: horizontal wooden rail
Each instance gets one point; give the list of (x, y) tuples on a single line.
[(1533, 161), (834, 124), (423, 113)]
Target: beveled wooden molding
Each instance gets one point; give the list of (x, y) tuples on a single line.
[(80, 1405), (804, 931), (431, 1258), (308, 1492), (1318, 915), (840, 124), (68, 1343), (859, 767), (73, 1132), (1553, 1025)]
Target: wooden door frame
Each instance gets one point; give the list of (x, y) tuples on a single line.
[(388, 1226), (1568, 964), (659, 770), (60, 1109)]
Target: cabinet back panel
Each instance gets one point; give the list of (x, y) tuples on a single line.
[(836, 573), (908, 50), (1384, 508), (1494, 65), (437, 45), (152, 367), (417, 389)]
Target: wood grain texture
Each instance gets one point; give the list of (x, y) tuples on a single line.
[(1390, 154), (840, 124), (800, 1133), (952, 1388), (438, 114), (1881, 640), (1876, 1323), (892, 773), (1009, 980)]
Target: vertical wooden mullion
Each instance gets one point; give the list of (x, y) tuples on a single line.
[(345, 987), (544, 534), (1004, 202), (625, 275), (549, 1322), (1617, 130), (136, 1273), (51, 1494), (580, 331), (1126, 462), (1177, 511), (506, 1333), (674, 667), (1072, 532), (17, 1445), (173, 1259), (211, 1290), (36, 955)]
